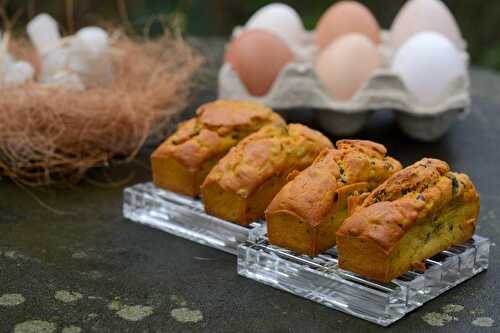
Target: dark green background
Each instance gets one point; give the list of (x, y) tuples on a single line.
[(479, 20)]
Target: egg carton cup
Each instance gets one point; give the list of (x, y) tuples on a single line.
[(182, 216), (298, 89)]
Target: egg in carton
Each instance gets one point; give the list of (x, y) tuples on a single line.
[(425, 104)]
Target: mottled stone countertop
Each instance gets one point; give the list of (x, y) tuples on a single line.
[(69, 261)]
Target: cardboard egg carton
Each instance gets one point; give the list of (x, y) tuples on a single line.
[(298, 88)]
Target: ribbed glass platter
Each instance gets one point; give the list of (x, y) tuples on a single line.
[(321, 280), (181, 216)]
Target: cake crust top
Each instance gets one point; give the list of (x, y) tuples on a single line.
[(352, 165), (273, 150), (217, 126), (411, 195)]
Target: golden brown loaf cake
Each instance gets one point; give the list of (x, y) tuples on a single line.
[(307, 212), (242, 184), (183, 161), (417, 213)]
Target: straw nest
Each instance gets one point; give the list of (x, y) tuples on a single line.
[(51, 134)]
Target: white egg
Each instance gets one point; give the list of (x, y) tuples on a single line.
[(279, 19), (19, 73), (89, 57), (43, 31), (427, 63), (93, 40), (424, 15)]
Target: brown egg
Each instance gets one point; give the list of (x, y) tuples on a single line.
[(346, 64), (258, 56), (343, 18)]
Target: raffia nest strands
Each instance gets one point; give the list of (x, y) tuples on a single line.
[(50, 134)]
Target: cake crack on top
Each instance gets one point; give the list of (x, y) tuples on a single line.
[(242, 184), (415, 214), (183, 161), (306, 213)]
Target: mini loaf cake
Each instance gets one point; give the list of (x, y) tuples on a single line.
[(241, 185), (417, 213), (307, 212), (183, 161)]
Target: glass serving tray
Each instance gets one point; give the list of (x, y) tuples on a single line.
[(321, 280), (181, 216)]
